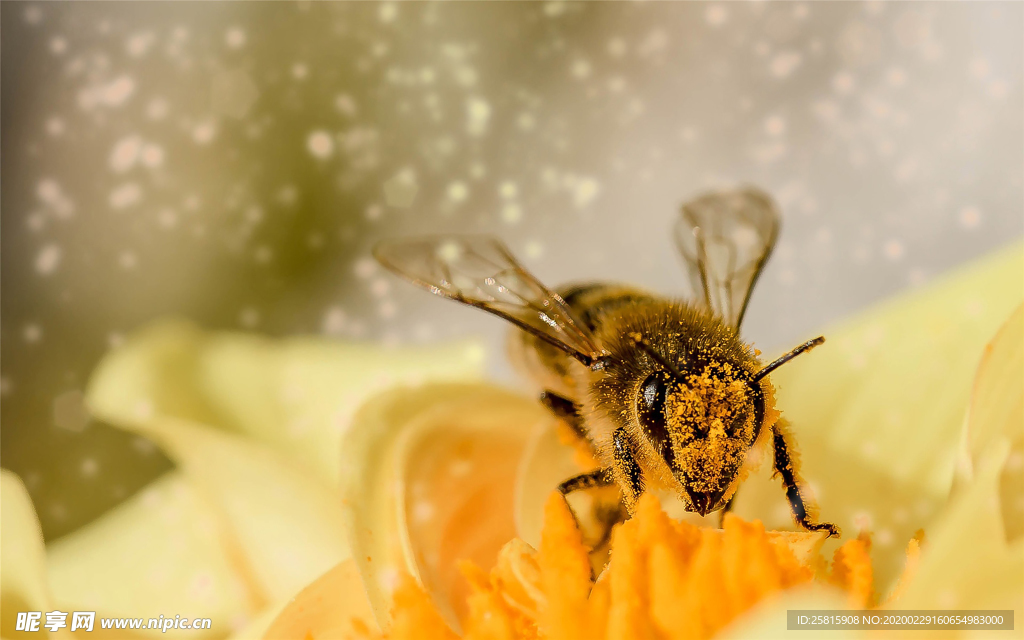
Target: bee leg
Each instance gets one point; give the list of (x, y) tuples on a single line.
[(568, 412), (726, 509), (627, 469), (588, 480), (785, 468)]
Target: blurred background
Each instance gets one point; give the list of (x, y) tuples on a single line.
[(233, 163)]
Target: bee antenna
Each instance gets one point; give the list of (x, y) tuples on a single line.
[(638, 340), (807, 346)]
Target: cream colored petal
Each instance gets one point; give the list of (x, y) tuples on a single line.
[(157, 553), (966, 563), (256, 426), (296, 395), (23, 583), (545, 463), (324, 610), (279, 525), (997, 411), (428, 478), (877, 410)]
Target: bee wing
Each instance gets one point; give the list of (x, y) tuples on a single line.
[(480, 272), (726, 238)]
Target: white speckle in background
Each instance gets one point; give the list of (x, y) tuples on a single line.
[(893, 249), (508, 189), (970, 217), (112, 94), (125, 195), (33, 15), (89, 467), (125, 154), (139, 43), (232, 93), (55, 126), (51, 194), (843, 83), (387, 310), (288, 195), (167, 218), (458, 191), (580, 69), (583, 188), (249, 318), (400, 190), (234, 37), (478, 115), (511, 213), (617, 47), (204, 132), (345, 104), (775, 126), (58, 45), (785, 63), (128, 260), (263, 254), (48, 259), (157, 109), (320, 144), (32, 333), (365, 267), (333, 322), (387, 12), (716, 15), (380, 287), (152, 155), (300, 71), (533, 249)]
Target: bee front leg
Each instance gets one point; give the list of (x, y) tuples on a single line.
[(726, 509), (627, 470), (786, 469)]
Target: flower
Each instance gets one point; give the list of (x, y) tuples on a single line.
[(251, 512), (879, 418), (250, 529)]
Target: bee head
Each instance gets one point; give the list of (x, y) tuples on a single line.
[(702, 426)]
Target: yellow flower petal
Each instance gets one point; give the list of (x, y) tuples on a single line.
[(23, 582), (877, 410), (966, 562), (296, 395), (334, 606), (156, 553), (997, 411), (427, 477), (256, 426)]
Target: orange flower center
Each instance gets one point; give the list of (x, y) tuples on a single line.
[(666, 580)]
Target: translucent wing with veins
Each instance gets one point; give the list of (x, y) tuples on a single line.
[(480, 272), (726, 238)]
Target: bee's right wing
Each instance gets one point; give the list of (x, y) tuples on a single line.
[(480, 271), (726, 238)]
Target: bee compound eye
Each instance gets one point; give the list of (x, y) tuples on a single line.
[(650, 412)]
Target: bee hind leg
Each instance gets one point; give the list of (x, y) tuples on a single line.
[(568, 412), (588, 480), (785, 468)]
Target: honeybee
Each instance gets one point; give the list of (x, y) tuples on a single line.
[(664, 391)]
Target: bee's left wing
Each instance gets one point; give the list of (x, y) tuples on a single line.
[(726, 238), (481, 272)]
